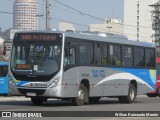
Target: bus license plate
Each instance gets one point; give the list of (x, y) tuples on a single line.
[(31, 94)]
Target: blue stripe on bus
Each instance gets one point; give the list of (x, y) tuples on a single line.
[(149, 76)]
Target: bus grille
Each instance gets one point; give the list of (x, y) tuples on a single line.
[(37, 91)]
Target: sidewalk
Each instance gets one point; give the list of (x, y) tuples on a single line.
[(13, 98)]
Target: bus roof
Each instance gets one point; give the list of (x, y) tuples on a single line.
[(111, 38)]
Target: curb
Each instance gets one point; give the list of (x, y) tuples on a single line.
[(13, 98)]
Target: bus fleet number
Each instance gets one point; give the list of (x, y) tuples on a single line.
[(98, 73)]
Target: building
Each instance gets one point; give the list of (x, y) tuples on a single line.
[(63, 26), (137, 20), (8, 45), (1, 48), (1, 45), (1, 40), (113, 26), (25, 15), (155, 21)]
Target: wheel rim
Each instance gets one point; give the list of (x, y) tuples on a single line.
[(80, 94), (132, 94)]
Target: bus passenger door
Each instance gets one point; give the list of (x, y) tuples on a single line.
[(70, 71)]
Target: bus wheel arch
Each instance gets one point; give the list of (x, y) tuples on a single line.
[(86, 83), (134, 82), (132, 93), (82, 93)]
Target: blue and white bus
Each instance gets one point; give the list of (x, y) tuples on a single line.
[(80, 67), (3, 78)]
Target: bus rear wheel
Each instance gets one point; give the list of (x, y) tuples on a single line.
[(82, 96), (37, 101), (131, 95)]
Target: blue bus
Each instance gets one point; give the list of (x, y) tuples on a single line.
[(3, 78)]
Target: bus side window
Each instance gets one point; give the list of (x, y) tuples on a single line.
[(139, 57), (99, 54), (70, 56), (114, 55), (127, 56)]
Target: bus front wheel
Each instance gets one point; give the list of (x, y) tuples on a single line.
[(82, 96), (37, 101)]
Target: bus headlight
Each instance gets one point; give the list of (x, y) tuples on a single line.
[(54, 83), (11, 82)]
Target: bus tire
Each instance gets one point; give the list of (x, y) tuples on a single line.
[(82, 96), (93, 100), (37, 101), (158, 92), (132, 92)]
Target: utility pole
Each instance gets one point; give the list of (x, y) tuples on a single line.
[(47, 15)]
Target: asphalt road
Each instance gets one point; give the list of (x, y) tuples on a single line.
[(142, 103)]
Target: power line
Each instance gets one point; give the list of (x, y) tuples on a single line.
[(80, 12), (4, 12), (95, 17), (96, 28), (89, 15)]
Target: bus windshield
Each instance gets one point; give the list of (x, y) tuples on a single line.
[(36, 57), (3, 71)]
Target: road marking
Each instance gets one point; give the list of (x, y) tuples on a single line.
[(14, 110)]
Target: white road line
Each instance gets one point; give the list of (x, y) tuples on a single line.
[(14, 110)]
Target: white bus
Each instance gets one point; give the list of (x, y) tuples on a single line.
[(80, 67)]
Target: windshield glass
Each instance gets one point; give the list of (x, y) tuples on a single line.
[(36, 56)]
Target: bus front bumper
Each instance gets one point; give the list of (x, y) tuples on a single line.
[(41, 92)]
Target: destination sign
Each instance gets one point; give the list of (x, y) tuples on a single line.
[(49, 37), (23, 66)]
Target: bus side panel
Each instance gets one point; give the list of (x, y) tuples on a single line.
[(108, 81), (116, 87), (143, 89), (114, 84), (69, 83), (145, 78), (4, 85)]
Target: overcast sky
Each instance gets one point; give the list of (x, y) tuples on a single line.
[(98, 8)]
